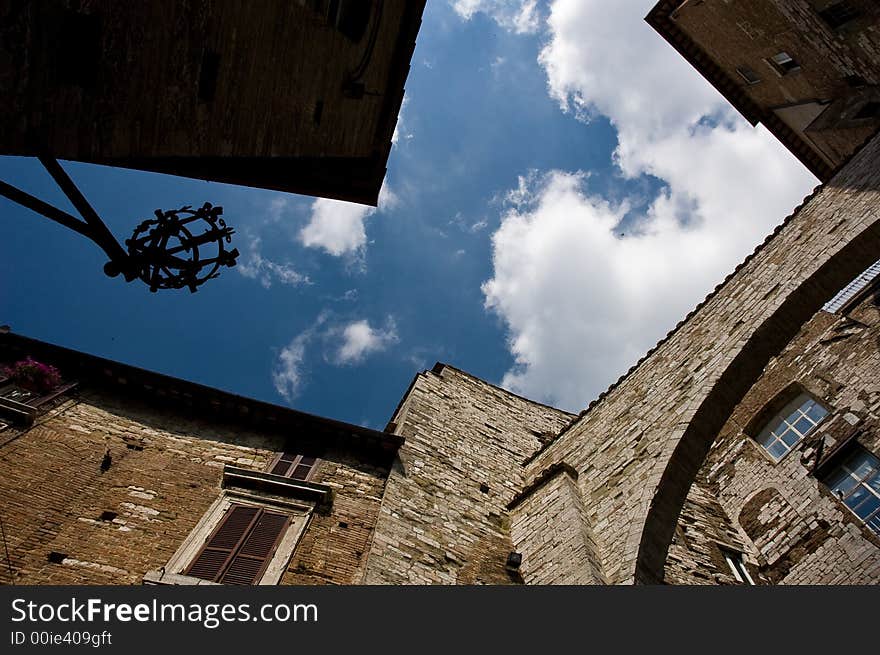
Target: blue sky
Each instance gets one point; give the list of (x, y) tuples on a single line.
[(562, 190)]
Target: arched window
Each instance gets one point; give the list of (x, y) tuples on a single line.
[(794, 422)]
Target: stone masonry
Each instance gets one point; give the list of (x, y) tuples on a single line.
[(470, 484), (125, 476), (600, 502), (638, 448), (70, 519), (444, 517), (793, 529)]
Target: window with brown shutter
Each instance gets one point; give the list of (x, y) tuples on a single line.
[(291, 465), (241, 546)]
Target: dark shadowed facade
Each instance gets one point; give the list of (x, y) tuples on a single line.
[(808, 70), (299, 96)]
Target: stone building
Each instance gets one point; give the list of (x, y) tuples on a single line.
[(118, 476), (742, 449), (298, 96), (808, 70), (790, 492)]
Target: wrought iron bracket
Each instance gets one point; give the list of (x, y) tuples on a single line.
[(162, 252)]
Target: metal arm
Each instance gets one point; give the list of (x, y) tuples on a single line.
[(150, 256)]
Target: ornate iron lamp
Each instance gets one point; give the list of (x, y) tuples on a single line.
[(166, 252)]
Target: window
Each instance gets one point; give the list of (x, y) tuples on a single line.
[(246, 537), (856, 482), (870, 109), (796, 420), (349, 17), (241, 546), (291, 465), (783, 63), (748, 74), (839, 14), (737, 566)]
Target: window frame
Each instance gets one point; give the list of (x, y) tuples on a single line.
[(771, 423), (748, 75), (736, 562), (230, 555), (842, 467), (294, 464), (351, 23), (781, 67), (174, 571)]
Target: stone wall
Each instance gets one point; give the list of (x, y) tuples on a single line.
[(67, 521), (551, 531), (792, 526), (695, 555), (444, 516), (638, 448)]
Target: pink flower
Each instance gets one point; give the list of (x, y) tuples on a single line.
[(34, 375)]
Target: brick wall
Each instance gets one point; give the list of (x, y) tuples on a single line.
[(165, 472)]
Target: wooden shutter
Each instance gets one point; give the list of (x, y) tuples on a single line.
[(303, 468), (291, 465), (239, 549), (251, 559), (211, 561), (282, 466)]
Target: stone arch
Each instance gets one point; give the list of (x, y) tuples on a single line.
[(749, 516), (682, 458)]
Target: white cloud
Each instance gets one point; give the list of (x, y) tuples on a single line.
[(277, 207), (465, 226), (400, 126), (287, 375), (388, 200), (359, 339), (257, 267), (342, 343), (337, 227), (582, 304), (520, 16)]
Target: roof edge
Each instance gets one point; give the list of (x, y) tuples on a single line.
[(661, 20), (438, 369), (222, 405)]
